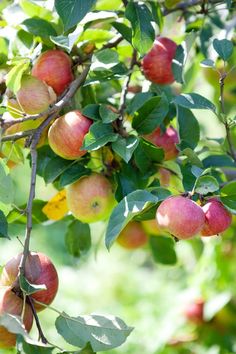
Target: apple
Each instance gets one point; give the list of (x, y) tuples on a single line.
[(55, 68), (166, 140), (164, 177), (156, 64), (91, 198), (39, 270), (194, 311), (151, 227), (132, 236), (34, 96), (217, 218), (66, 135), (12, 304), (180, 216)]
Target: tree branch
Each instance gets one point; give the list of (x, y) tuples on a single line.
[(41, 335), (183, 6)]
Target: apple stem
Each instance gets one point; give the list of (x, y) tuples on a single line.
[(41, 335)]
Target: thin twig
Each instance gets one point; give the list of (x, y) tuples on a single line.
[(41, 335), (183, 6)]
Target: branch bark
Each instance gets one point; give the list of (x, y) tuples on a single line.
[(183, 6)]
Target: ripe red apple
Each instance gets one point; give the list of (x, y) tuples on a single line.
[(217, 218), (55, 68), (194, 311), (66, 135), (34, 95), (157, 62), (12, 304), (39, 270), (132, 236), (91, 198), (166, 141), (180, 216)]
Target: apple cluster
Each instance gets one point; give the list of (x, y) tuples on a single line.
[(39, 270)]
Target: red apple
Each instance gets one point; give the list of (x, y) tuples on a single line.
[(34, 95), (66, 135), (54, 68), (164, 177), (12, 304), (166, 141), (180, 216), (157, 62), (194, 311), (217, 218), (132, 236), (91, 198), (39, 270)]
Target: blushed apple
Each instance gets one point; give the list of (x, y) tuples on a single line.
[(194, 311), (132, 236), (157, 63), (180, 216), (91, 198), (55, 68), (217, 218), (166, 140), (66, 135)]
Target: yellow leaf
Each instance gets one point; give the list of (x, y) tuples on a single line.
[(56, 208)]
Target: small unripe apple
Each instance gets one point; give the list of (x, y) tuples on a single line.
[(39, 270), (194, 311), (157, 62), (66, 135), (166, 140), (151, 227), (91, 198), (55, 68), (217, 218), (180, 216), (132, 236), (34, 95), (10, 303)]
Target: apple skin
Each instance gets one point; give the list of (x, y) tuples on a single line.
[(166, 141), (91, 198), (218, 218), (151, 227), (132, 236), (194, 311), (156, 64), (39, 270), (12, 304), (55, 68), (34, 95), (180, 216), (164, 177), (66, 135)]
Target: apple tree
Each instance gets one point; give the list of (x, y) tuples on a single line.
[(102, 100)]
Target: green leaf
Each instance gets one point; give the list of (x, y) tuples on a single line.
[(140, 18), (13, 324), (18, 215), (138, 101), (214, 305), (124, 30), (72, 174), (39, 27), (129, 206), (146, 154), (99, 135), (107, 114), (67, 42), (78, 238), (54, 168), (13, 78), (4, 50), (192, 157), (29, 288), (72, 11), (218, 161), (102, 332), (163, 249), (105, 58), (125, 147), (230, 203), (189, 130), (208, 63), (194, 101), (150, 115), (32, 10), (206, 184), (229, 188), (27, 346), (178, 64), (6, 185), (224, 48), (92, 111), (157, 14), (3, 225)]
